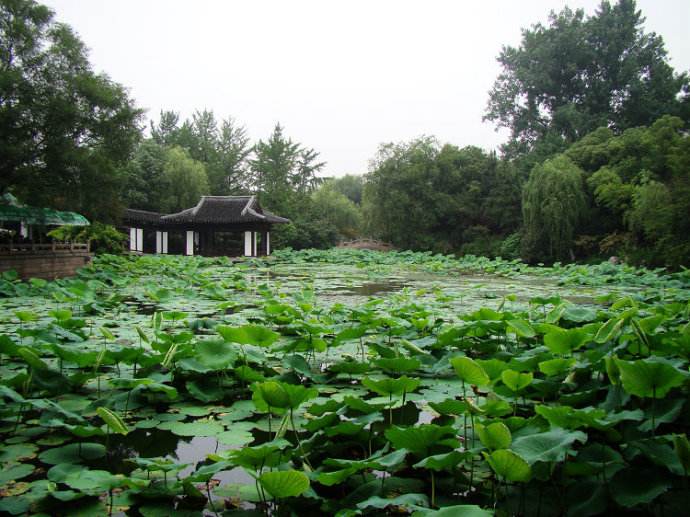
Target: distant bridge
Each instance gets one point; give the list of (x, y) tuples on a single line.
[(366, 244)]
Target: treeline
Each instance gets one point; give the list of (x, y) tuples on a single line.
[(597, 163), (183, 160)]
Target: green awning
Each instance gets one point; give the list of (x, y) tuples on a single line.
[(41, 216)]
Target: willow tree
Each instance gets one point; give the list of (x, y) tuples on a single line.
[(554, 203)]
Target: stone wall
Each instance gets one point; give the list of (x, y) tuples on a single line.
[(45, 264)]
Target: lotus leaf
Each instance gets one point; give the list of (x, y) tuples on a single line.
[(282, 484)]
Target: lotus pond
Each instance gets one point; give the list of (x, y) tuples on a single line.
[(345, 383)]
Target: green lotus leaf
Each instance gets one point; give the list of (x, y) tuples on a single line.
[(15, 471), (609, 330), (267, 455), (460, 510), (26, 316), (447, 461), (73, 453), (419, 438), (237, 434), (398, 364), (516, 381), (32, 359), (388, 386), (113, 420), (493, 367), (336, 477), (554, 367), (59, 472), (450, 407), (494, 436), (552, 445), (649, 378), (350, 367), (565, 341), (17, 452), (94, 482), (282, 484), (522, 328), (636, 485), (196, 428), (350, 333), (248, 335), (509, 465), (215, 354), (361, 406), (405, 500), (173, 315), (682, 448), (280, 395), (469, 371), (570, 418)]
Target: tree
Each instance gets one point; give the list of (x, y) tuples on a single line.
[(336, 210), (351, 186), (580, 73), (234, 150), (282, 171), (420, 195), (639, 182), (146, 183), (186, 178), (65, 131), (554, 204), (165, 132)]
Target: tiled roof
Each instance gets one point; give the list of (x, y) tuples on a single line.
[(224, 210), (141, 216)]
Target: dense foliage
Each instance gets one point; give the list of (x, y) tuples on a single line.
[(422, 195), (65, 131), (182, 385), (580, 73), (596, 165)]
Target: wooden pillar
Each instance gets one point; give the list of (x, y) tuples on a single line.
[(254, 244), (132, 239), (164, 243), (268, 243), (159, 242), (140, 240)]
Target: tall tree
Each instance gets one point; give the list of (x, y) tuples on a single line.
[(554, 204), (186, 178), (146, 183), (234, 150), (420, 195), (281, 169), (579, 73), (65, 131)]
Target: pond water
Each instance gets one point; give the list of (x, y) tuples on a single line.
[(444, 297)]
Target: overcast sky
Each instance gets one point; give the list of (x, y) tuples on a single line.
[(340, 76)]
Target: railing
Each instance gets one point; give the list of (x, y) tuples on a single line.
[(52, 247)]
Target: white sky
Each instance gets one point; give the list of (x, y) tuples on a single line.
[(341, 76)]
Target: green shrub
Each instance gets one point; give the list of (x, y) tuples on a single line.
[(102, 237)]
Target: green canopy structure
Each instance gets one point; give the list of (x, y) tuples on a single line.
[(11, 210)]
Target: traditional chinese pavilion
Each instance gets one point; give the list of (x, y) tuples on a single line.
[(216, 226)]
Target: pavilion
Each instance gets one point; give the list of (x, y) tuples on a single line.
[(216, 226)]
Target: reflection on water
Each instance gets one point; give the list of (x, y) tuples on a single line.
[(372, 288), (154, 443)]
